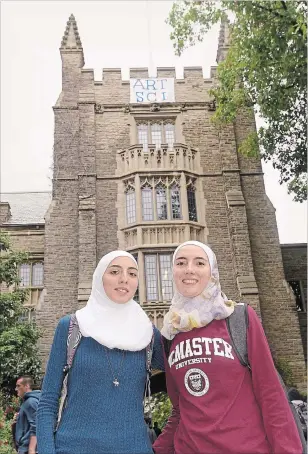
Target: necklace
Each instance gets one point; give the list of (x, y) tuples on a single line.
[(115, 380)]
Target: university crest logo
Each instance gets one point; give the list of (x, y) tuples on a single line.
[(196, 382)]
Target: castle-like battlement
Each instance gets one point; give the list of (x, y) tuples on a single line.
[(190, 72), (114, 86)]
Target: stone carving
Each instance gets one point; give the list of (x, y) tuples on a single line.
[(99, 108)]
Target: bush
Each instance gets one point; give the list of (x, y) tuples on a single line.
[(6, 440), (161, 408)]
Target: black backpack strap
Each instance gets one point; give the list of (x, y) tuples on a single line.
[(149, 353), (73, 340), (148, 360), (167, 346), (237, 324)]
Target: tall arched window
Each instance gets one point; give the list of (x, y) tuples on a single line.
[(130, 206), (25, 275), (161, 202), (175, 201), (37, 275)]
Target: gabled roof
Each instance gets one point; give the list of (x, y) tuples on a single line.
[(27, 207)]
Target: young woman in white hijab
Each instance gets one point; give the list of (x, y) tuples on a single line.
[(104, 411), (219, 406)]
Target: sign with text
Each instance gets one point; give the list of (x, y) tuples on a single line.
[(151, 90)]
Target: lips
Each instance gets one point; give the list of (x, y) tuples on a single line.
[(122, 290), (189, 281)]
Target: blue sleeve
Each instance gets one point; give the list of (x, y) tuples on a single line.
[(30, 410), (158, 353), (48, 407)]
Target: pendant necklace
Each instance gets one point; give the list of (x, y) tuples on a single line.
[(115, 380)]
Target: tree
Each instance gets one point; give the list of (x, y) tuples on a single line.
[(18, 338), (265, 68), (161, 408)]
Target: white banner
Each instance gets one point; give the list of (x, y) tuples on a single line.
[(151, 90)]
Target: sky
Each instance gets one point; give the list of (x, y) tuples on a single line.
[(117, 34)]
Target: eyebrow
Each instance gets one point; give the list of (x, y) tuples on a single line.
[(195, 258), (118, 266)]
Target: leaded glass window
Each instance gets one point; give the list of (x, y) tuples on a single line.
[(166, 277), (156, 134), (158, 276), (192, 207), (170, 135), (147, 204), (143, 136), (130, 206), (161, 202), (25, 275), (175, 202), (37, 275), (151, 277), (31, 274)]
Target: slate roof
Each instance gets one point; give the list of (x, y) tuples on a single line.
[(27, 207)]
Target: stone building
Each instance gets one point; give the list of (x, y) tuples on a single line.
[(138, 165)]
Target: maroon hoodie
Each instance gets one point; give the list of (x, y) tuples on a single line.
[(220, 406)]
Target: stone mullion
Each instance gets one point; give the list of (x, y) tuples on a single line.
[(138, 199), (141, 268), (183, 195)]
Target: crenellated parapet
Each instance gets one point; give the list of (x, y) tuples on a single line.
[(114, 89)]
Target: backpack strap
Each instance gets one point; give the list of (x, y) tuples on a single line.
[(237, 324), (148, 363), (73, 340), (149, 354), (167, 346)]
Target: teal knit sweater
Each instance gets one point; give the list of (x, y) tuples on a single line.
[(99, 418)]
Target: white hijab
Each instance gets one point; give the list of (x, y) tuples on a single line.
[(123, 326), (188, 313)]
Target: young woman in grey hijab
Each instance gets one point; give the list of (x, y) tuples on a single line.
[(219, 406)]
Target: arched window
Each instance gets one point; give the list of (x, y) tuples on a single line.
[(25, 275), (170, 134), (158, 277), (175, 201), (191, 200), (161, 202), (143, 135), (37, 275), (130, 206)]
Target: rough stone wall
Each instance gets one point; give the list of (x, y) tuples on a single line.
[(61, 265), (28, 239), (277, 303), (294, 259), (295, 267)]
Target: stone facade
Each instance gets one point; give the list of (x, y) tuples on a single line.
[(98, 162), (294, 258)]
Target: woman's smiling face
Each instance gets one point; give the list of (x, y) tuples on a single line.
[(191, 271), (120, 280)]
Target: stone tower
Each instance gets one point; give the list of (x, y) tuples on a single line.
[(138, 165)]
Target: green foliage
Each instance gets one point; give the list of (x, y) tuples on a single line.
[(161, 408), (265, 67), (6, 441), (18, 339)]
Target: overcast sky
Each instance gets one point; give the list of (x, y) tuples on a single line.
[(113, 34)]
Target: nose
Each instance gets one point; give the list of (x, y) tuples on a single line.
[(124, 277), (189, 268)]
